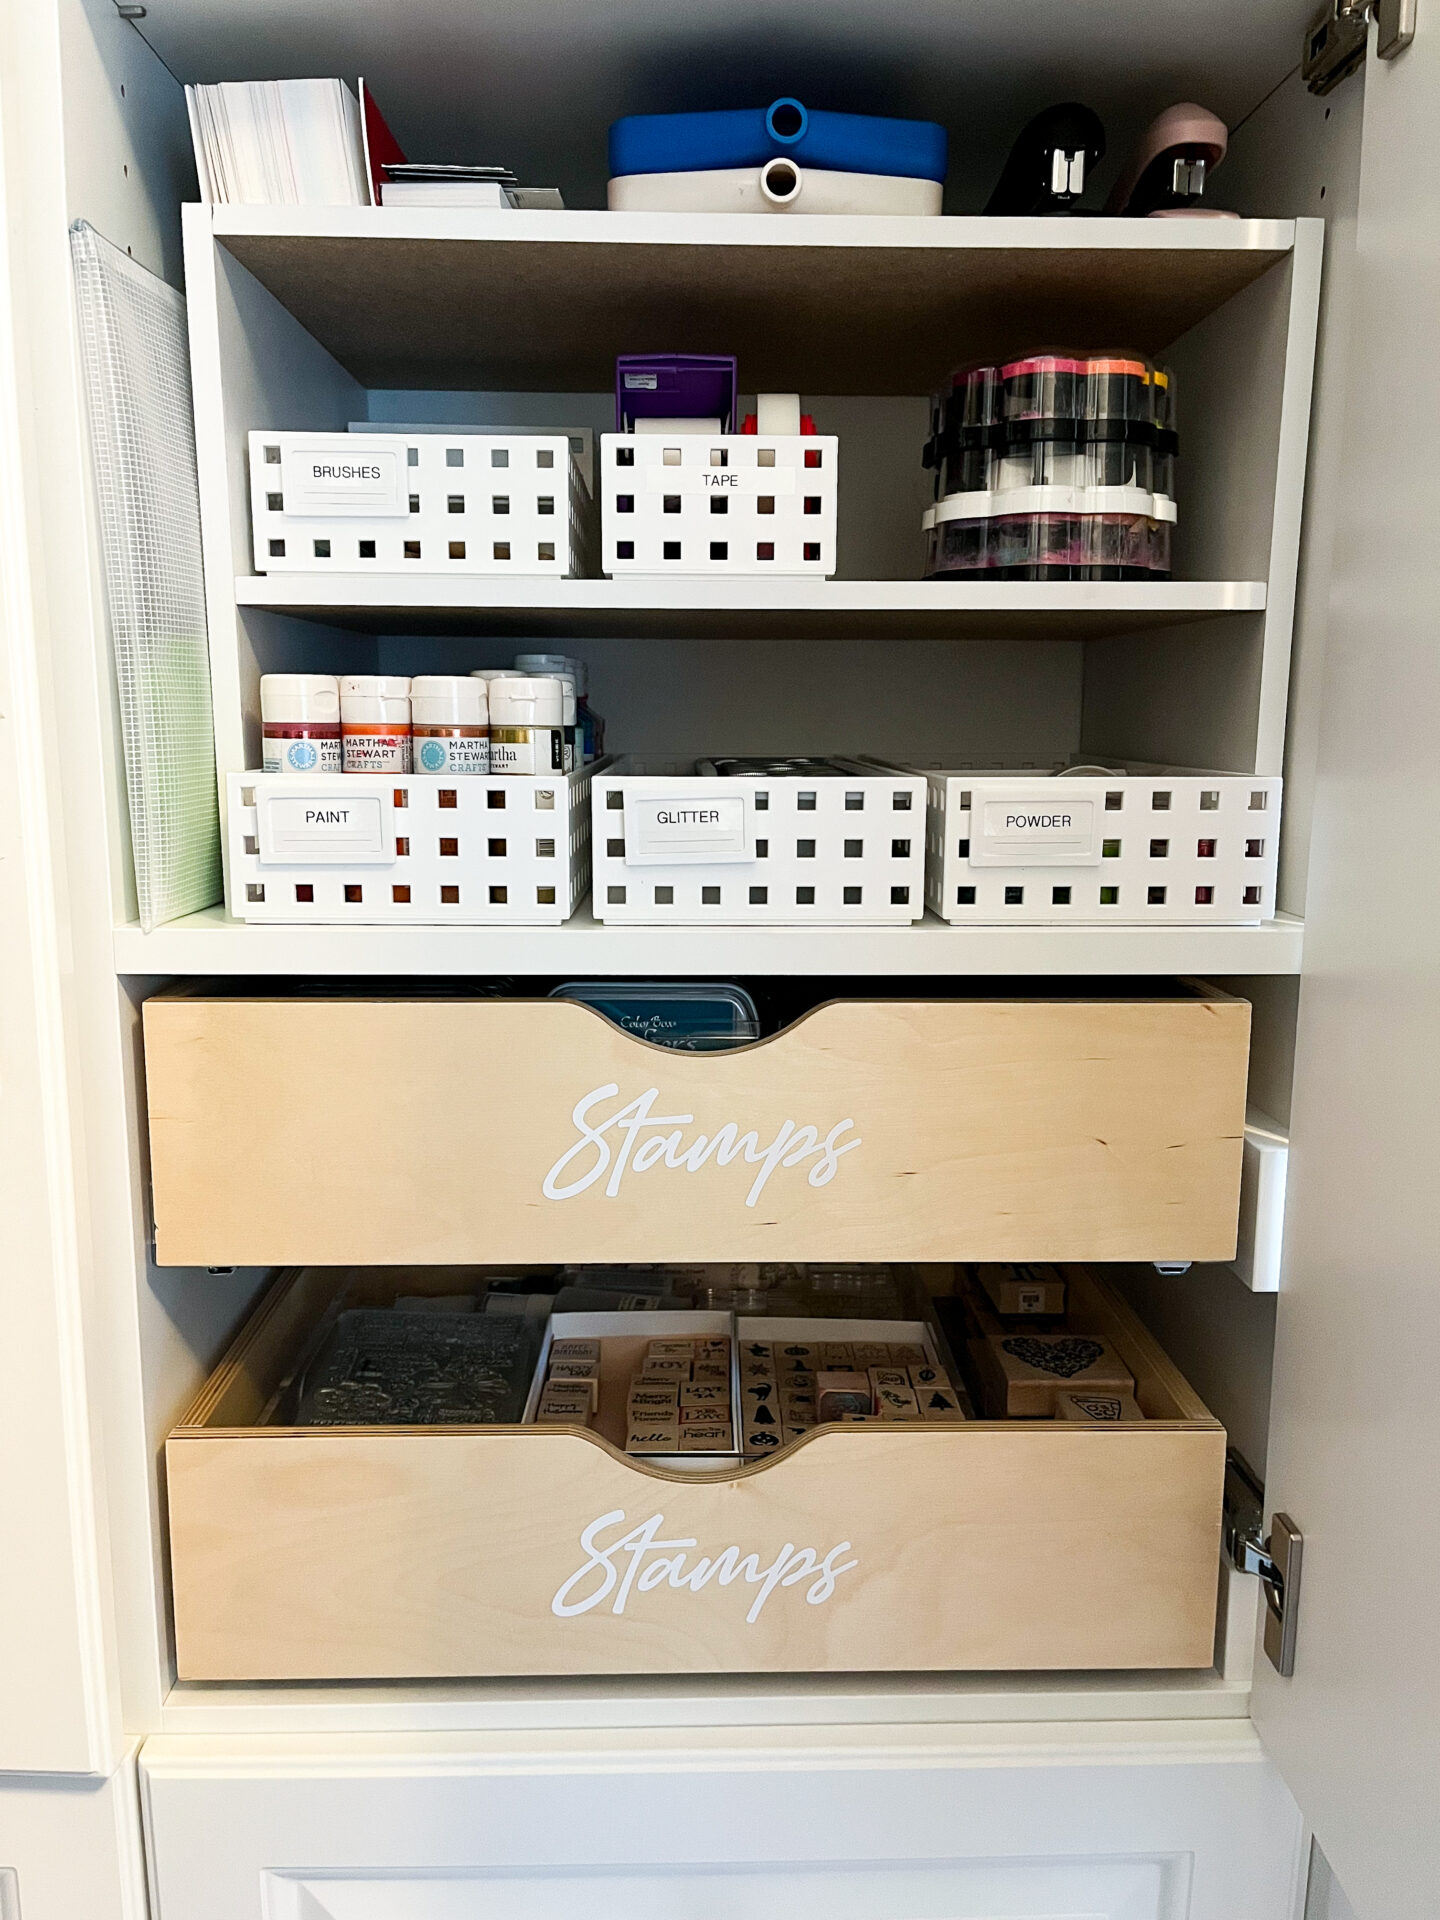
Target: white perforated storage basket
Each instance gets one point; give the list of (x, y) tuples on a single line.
[(422, 503), (408, 849), (674, 847), (723, 503), (1149, 846)]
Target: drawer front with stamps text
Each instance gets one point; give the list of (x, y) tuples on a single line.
[(442, 1130), (389, 1553)]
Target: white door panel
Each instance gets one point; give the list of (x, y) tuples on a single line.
[(1355, 1444), (1180, 1821)]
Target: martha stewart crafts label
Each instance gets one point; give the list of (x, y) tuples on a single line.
[(639, 1561), (618, 1138)]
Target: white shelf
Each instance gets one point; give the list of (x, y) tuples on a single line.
[(818, 304), (211, 943), (755, 608)]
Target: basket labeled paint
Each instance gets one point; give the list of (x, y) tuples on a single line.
[(736, 842), (1095, 846), (419, 503), (408, 849)]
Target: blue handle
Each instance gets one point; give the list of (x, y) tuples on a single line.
[(843, 142)]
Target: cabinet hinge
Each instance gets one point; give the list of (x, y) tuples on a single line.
[(1274, 1558), (1336, 38)]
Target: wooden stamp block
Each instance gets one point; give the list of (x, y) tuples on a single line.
[(927, 1376), (574, 1369), (909, 1354), (889, 1377), (897, 1403), (670, 1350), (762, 1440), (939, 1403), (588, 1383), (574, 1350), (762, 1417), (711, 1438), (704, 1394), (1024, 1289), (870, 1353), (758, 1393), (653, 1436), (711, 1370), (653, 1397), (797, 1406), (665, 1369), (797, 1382), (794, 1356), (756, 1350), (705, 1416), (838, 1392), (1097, 1406), (791, 1431), (838, 1354), (757, 1370), (571, 1405), (1035, 1368)]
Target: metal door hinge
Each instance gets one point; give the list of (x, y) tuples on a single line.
[(1274, 1558), (1335, 40)]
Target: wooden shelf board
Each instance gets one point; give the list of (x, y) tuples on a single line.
[(211, 943), (816, 304), (745, 607)]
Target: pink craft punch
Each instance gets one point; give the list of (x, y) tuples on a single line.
[(1166, 174)]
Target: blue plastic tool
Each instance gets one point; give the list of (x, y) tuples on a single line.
[(844, 142)]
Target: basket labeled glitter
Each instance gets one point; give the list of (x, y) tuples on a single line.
[(1056, 466)]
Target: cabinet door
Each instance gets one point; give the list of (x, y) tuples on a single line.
[(1174, 1822), (1355, 1447)]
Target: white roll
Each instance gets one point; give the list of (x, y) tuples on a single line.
[(762, 190)]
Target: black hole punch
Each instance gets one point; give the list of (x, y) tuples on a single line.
[(624, 456), (615, 849), (762, 849), (544, 849), (719, 549), (764, 549), (812, 503), (545, 550), (1155, 896), (805, 802), (502, 549), (277, 549), (615, 896), (495, 797), (454, 503), (499, 457), (455, 457), (496, 848), (499, 896), (457, 549), (624, 549), (545, 504), (414, 503), (500, 503), (275, 502), (367, 549), (854, 803), (670, 503), (762, 801), (544, 456), (664, 896), (614, 800), (1159, 849), (624, 503), (412, 549), (812, 549), (900, 801), (962, 849), (1114, 802), (450, 896)]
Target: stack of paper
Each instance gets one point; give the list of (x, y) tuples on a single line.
[(426, 184), (279, 143)]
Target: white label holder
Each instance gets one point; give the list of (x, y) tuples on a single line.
[(664, 828)]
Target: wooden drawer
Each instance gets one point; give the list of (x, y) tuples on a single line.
[(374, 1553), (290, 1131)]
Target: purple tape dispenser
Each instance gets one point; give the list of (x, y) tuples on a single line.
[(693, 387)]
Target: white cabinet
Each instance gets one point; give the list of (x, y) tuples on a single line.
[(1180, 1822)]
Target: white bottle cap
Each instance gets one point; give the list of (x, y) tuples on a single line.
[(522, 702), (375, 699), (300, 697), (542, 663), (448, 700), (496, 673)]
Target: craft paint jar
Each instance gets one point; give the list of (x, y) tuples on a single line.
[(375, 722), (555, 666), (527, 726), (450, 723), (300, 721), (592, 724)]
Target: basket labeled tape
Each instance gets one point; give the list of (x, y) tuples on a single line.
[(725, 503), (730, 842), (1138, 845), (422, 503), (407, 849)]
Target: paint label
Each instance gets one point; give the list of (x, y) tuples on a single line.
[(301, 748), (376, 750), (451, 750), (688, 830), (527, 749), (324, 828)]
